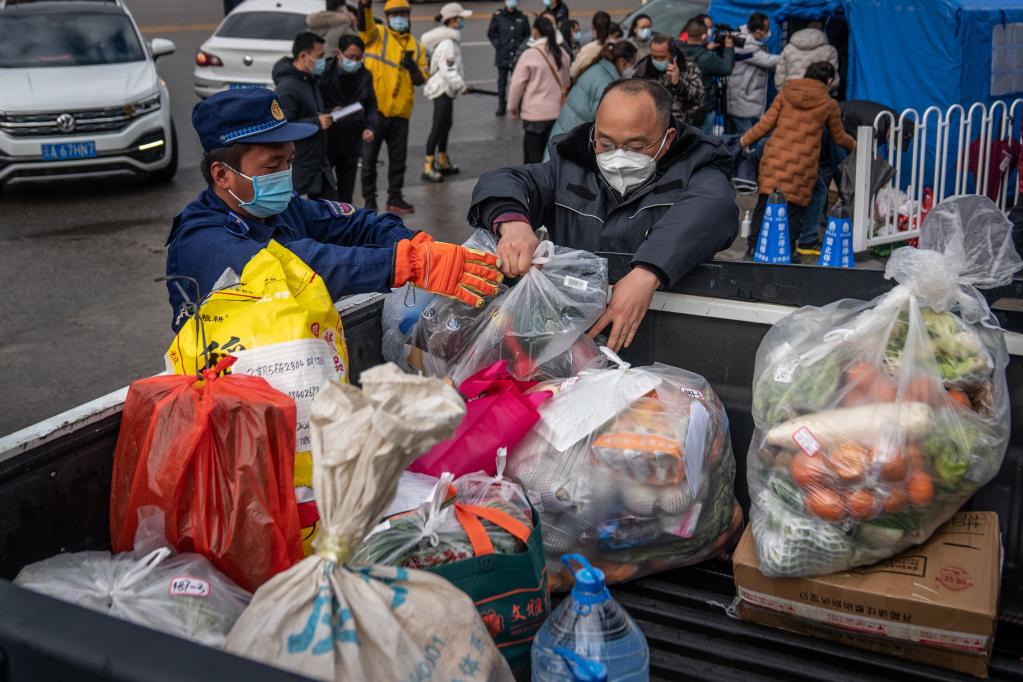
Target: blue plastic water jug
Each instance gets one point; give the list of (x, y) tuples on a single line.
[(773, 243), (837, 248), (592, 625)]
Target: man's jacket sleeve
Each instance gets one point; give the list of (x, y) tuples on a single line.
[(528, 188), (332, 222), (704, 221), (292, 107)]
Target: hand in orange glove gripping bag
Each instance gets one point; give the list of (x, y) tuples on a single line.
[(446, 269), (217, 456)]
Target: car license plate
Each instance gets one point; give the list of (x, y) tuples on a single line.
[(69, 150), (244, 86)]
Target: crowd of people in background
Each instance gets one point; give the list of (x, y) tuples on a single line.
[(356, 77)]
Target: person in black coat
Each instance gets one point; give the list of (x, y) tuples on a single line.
[(509, 28), (346, 82), (644, 183), (295, 79)]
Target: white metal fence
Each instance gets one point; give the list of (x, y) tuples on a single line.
[(935, 155)]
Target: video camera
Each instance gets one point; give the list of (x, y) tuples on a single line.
[(723, 30)]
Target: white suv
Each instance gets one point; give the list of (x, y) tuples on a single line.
[(80, 94)]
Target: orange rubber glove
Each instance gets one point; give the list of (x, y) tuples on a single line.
[(446, 269)]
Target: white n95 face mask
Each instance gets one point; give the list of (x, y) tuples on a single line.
[(625, 170)]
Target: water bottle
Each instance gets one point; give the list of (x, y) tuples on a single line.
[(747, 225), (592, 625)]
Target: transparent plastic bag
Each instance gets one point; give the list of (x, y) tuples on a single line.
[(875, 421), (180, 594), (539, 325), (632, 468), (422, 331), (434, 534)]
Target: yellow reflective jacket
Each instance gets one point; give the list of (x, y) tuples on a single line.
[(384, 51)]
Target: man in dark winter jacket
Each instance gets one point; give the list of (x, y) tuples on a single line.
[(634, 181), (344, 83), (508, 29), (711, 66), (295, 79)]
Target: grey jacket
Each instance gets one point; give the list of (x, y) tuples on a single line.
[(682, 215), (805, 47), (747, 86)]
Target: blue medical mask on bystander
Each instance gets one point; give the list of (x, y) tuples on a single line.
[(398, 23), (320, 66), (659, 65), (511, 4), (350, 65), (271, 193)]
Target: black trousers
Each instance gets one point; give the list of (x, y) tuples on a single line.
[(534, 140), (503, 72), (345, 150), (795, 224), (443, 117), (394, 131)]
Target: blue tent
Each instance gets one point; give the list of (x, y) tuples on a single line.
[(913, 53)]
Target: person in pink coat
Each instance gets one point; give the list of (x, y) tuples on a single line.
[(539, 85)]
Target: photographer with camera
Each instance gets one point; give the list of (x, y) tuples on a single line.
[(747, 86), (712, 66), (668, 66)]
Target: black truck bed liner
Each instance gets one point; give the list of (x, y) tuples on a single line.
[(54, 497)]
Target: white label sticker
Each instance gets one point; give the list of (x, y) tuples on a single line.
[(576, 283), (783, 372), (806, 441), (298, 369), (692, 393), (187, 586)]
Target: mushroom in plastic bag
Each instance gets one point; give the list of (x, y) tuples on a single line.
[(332, 620), (180, 594), (875, 421), (632, 468)]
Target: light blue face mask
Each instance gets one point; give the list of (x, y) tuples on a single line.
[(271, 193), (398, 23), (577, 36), (320, 66), (548, 3), (644, 33), (350, 65), (660, 66), (511, 4), (461, 24)]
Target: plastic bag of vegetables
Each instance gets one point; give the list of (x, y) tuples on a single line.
[(539, 326), (876, 420), (154, 586), (631, 467)]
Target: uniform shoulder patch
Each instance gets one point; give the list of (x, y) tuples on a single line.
[(339, 209)]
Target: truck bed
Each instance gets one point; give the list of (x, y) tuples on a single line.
[(55, 478)]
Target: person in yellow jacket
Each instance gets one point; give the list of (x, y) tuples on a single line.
[(398, 64)]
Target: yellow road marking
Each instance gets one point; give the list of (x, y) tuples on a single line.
[(209, 28)]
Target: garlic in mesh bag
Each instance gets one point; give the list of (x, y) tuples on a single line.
[(331, 620), (875, 421), (631, 467)]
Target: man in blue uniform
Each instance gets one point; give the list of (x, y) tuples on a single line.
[(249, 147)]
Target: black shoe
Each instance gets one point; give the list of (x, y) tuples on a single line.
[(400, 206), (500, 111), (371, 204)]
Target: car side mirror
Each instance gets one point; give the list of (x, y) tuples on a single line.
[(161, 47)]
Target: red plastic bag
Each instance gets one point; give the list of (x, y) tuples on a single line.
[(217, 456), (499, 413)]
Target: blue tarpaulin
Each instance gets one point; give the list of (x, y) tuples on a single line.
[(912, 53)]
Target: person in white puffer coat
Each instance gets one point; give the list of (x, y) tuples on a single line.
[(805, 47), (447, 81)]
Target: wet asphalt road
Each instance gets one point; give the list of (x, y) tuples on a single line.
[(82, 315)]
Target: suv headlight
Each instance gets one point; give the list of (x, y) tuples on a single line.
[(143, 107)]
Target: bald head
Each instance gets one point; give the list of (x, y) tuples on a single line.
[(634, 114)]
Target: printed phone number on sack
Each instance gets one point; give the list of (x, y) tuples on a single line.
[(307, 393), (286, 367)]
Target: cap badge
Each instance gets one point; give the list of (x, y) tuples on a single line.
[(275, 111)]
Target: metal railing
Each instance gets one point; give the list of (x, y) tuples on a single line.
[(934, 155)]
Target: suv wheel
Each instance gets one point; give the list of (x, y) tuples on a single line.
[(165, 174)]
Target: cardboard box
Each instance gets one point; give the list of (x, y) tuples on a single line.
[(935, 603)]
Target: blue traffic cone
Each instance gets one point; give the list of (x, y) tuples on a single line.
[(837, 249), (773, 244)]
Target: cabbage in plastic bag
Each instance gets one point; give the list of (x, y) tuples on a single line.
[(180, 594), (632, 468), (877, 420)]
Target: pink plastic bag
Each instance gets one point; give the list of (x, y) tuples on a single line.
[(499, 413)]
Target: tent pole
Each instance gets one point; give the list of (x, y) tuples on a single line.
[(861, 189)]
